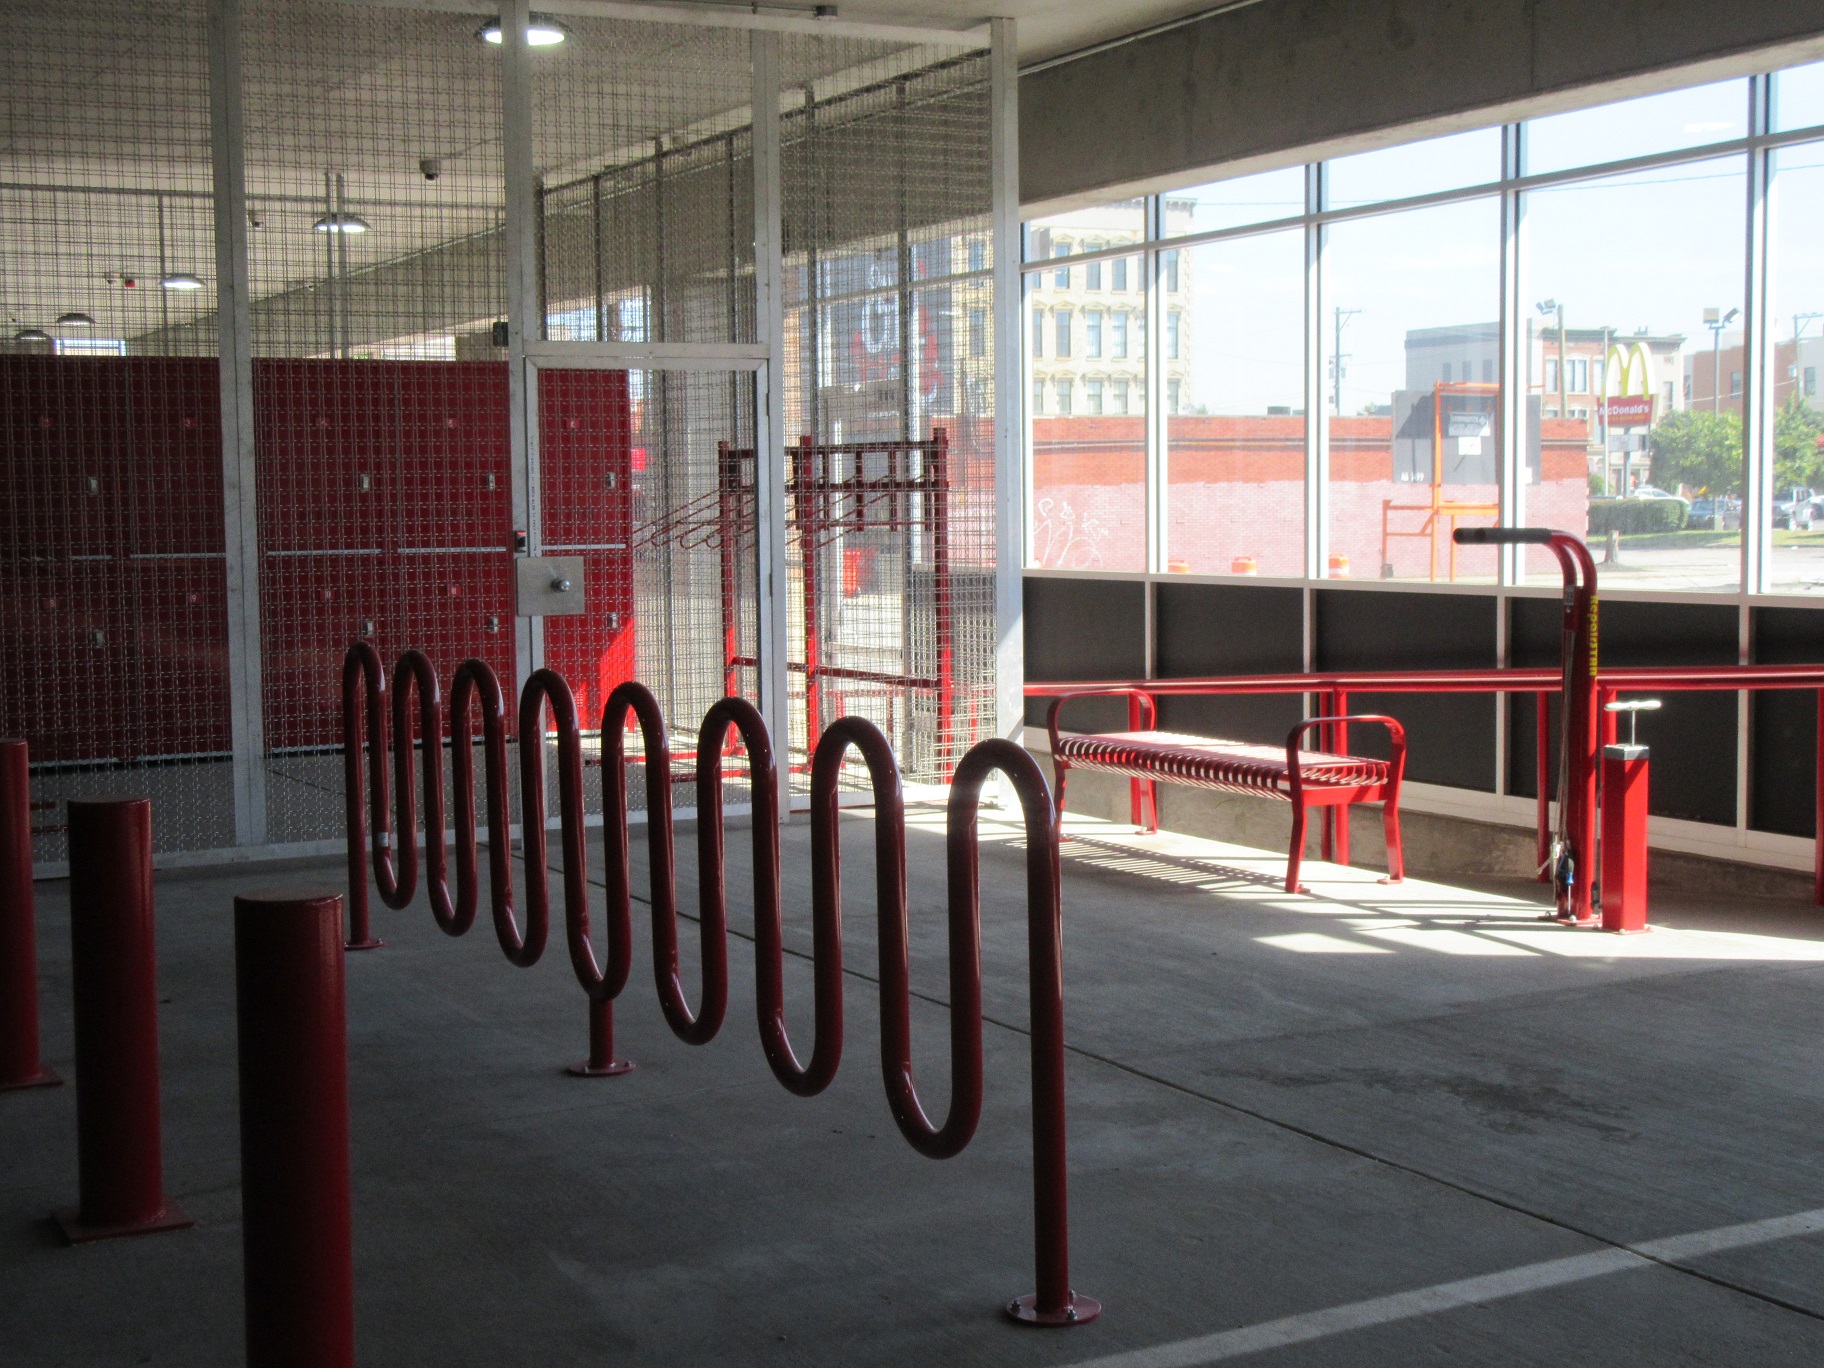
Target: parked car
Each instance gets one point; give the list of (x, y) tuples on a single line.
[(1649, 492), (1716, 515), (1792, 508)]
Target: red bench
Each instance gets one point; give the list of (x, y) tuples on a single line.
[(1303, 778)]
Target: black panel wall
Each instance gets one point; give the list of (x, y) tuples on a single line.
[(1783, 724), (1084, 629), (1450, 738), (1692, 737), (1221, 629)]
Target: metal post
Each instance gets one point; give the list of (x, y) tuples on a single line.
[(1758, 370), (114, 981), (1317, 422), (771, 576), (296, 1235), (240, 496), (523, 323), (20, 1066), (1009, 425)]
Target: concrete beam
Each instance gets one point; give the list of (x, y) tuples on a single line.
[(1285, 80)]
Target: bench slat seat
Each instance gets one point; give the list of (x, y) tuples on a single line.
[(1211, 763), (1304, 778)]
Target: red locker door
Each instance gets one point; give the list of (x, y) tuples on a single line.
[(584, 446), (455, 485), (452, 605), (179, 656), (595, 651), (175, 455), (327, 438), (65, 474), (312, 605), (62, 680)]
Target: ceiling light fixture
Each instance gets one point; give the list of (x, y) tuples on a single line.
[(31, 335), (541, 31), (181, 280), (75, 319), (340, 223)]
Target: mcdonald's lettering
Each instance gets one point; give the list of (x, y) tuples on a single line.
[(1627, 406)]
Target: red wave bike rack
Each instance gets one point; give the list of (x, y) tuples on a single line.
[(395, 855)]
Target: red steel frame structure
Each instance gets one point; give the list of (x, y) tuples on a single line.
[(911, 493)]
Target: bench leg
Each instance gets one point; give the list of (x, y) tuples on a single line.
[(1061, 775), (1396, 859), (1297, 853), (1143, 805)]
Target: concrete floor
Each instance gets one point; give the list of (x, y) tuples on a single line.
[(1339, 1104)]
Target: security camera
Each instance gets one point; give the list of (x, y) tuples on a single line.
[(256, 218), (432, 167)]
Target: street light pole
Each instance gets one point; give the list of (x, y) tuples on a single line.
[(1716, 320)]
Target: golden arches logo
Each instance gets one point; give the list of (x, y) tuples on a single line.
[(1627, 406)]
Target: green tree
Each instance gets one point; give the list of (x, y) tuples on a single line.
[(1698, 449), (1796, 458)]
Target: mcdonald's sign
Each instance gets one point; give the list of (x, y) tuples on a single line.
[(1627, 406)]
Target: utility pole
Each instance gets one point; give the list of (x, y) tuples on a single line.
[(1337, 357)]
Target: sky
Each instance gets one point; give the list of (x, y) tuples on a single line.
[(1652, 249)]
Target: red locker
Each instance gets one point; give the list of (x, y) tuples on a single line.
[(451, 605), (596, 650), (584, 451), (174, 455), (179, 649), (455, 480), (64, 467), (65, 667), (327, 438), (312, 606)]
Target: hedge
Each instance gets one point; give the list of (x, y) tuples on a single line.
[(1634, 517)]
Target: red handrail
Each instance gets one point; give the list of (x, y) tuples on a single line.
[(396, 864)]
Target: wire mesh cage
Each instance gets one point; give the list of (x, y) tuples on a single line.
[(376, 213), (890, 359), (112, 577), (375, 468)]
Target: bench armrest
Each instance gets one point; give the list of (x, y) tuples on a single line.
[(1142, 711), (1396, 764)]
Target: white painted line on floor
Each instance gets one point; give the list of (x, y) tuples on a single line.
[(1429, 1301)]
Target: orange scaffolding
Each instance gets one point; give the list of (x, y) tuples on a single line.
[(1441, 514)]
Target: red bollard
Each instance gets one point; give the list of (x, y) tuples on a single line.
[(114, 973), (20, 1066), (297, 1236)]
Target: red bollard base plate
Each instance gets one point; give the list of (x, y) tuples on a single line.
[(69, 1223), (371, 943), (613, 1069), (1081, 1311), (44, 1078)]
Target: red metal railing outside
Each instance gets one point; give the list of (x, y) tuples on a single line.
[(395, 823)]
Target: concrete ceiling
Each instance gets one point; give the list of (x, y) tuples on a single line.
[(1047, 28)]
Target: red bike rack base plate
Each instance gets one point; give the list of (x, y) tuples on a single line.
[(44, 1078), (1026, 1311), (371, 943), (612, 1070), (69, 1224)]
